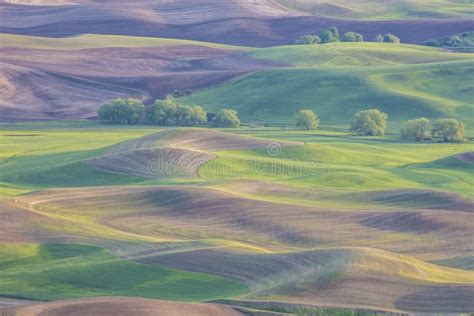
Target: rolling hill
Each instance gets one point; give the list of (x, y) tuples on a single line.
[(243, 22), (391, 237), (337, 80), (262, 219), (44, 78)]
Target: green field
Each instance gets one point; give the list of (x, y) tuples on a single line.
[(219, 235), (338, 80), (383, 10), (59, 271)]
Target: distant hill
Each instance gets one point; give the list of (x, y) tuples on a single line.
[(243, 22)]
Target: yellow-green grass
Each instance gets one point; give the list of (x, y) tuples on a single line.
[(274, 96), (87, 41), (60, 271), (383, 10), (45, 157), (339, 161), (355, 54)]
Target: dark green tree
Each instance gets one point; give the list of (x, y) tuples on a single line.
[(390, 38), (121, 111), (308, 40), (331, 35), (352, 37), (226, 118)]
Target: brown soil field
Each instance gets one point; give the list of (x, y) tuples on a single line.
[(172, 153), (251, 23), (466, 157), (62, 84), (317, 256), (120, 306)]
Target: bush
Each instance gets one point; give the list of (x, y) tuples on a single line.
[(378, 38), (416, 130), (226, 118), (331, 35), (390, 38), (352, 37), (121, 111), (449, 130), (308, 40), (307, 119), (169, 112), (369, 122)]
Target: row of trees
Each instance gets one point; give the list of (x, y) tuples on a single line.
[(331, 35), (449, 130), (166, 112), (373, 122)]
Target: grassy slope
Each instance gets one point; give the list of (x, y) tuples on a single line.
[(337, 162), (340, 161), (336, 81), (60, 271), (383, 10), (98, 41), (53, 158)]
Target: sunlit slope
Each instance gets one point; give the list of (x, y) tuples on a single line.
[(383, 10), (89, 41), (59, 271), (355, 54), (340, 161), (410, 82)]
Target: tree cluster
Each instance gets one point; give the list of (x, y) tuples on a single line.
[(331, 35), (387, 38), (166, 112), (464, 40), (171, 113), (447, 130), (121, 111)]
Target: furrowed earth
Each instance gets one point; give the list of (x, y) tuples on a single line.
[(217, 233), (262, 219)]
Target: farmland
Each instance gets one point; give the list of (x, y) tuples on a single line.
[(236, 157), (352, 206)]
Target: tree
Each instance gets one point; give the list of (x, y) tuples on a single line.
[(121, 111), (369, 122), (331, 35), (352, 37), (226, 118), (378, 38), (162, 112), (307, 119), (169, 112), (190, 115), (308, 40), (416, 130), (449, 130), (390, 38)]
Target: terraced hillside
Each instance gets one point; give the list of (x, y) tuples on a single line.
[(395, 235)]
